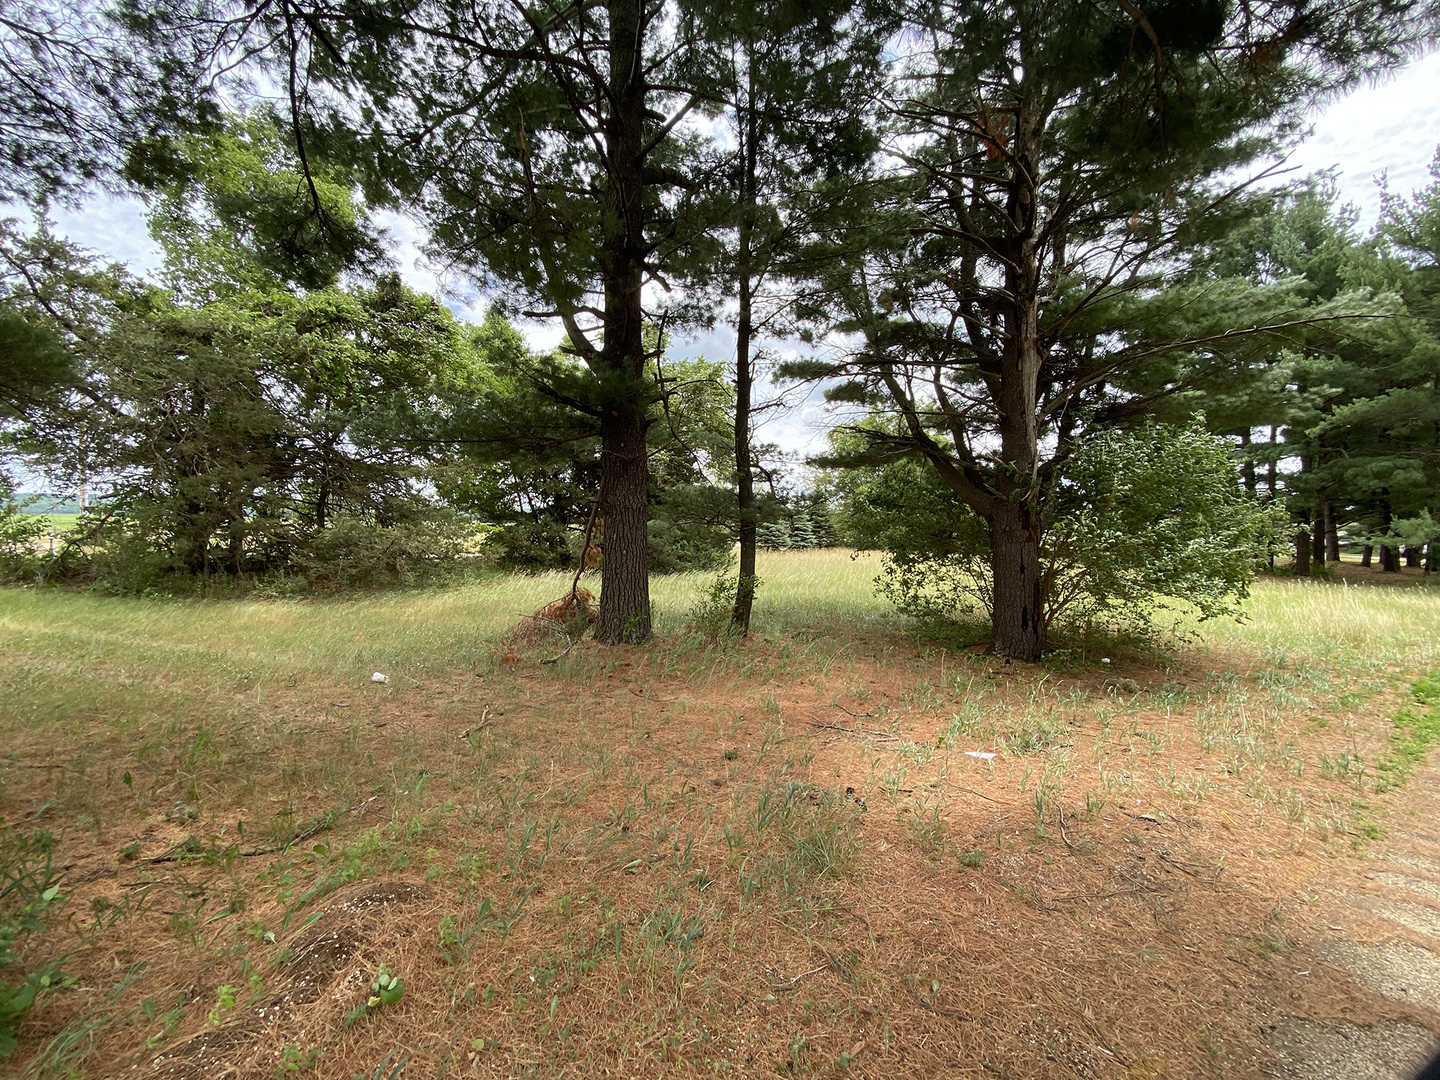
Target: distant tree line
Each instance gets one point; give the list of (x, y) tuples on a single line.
[(1026, 238)]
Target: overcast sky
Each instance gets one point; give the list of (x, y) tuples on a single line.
[(1388, 129)]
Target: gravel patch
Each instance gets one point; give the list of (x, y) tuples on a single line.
[(1316, 1051), (1397, 969)]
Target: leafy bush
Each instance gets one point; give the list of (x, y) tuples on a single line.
[(1138, 523), (357, 554), (19, 536)]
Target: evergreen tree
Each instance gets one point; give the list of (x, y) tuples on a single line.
[(529, 458), (80, 86), (802, 529), (1057, 160), (544, 147), (797, 85), (823, 523), (773, 535), (236, 417)]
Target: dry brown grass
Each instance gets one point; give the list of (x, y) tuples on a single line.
[(772, 857)]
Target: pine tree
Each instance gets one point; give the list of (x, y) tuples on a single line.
[(802, 529), (1010, 287), (773, 536), (544, 148), (787, 73)]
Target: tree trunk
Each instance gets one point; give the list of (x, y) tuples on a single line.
[(624, 502), (1018, 630), (1367, 555), (624, 507), (1332, 534), (1272, 472), (1247, 467), (1412, 555), (1389, 559), (744, 381), (1018, 621), (1432, 558), (1317, 538), (1302, 551)]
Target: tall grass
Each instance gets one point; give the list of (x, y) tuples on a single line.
[(1346, 626), (818, 593), (412, 631)]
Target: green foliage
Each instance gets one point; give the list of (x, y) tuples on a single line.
[(1140, 521), (29, 895), (257, 432), (1417, 727), (236, 213), (385, 989), (529, 459), (19, 536), (34, 366), (710, 615)]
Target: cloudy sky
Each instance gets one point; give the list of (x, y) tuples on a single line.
[(1389, 129)]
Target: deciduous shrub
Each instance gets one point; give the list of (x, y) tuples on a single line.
[(1139, 523)]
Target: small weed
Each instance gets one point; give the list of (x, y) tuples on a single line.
[(386, 989), (224, 1005), (294, 1062)]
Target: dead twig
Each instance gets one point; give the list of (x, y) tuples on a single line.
[(825, 725), (785, 985), (939, 1010), (1067, 897), (981, 794), (563, 653)]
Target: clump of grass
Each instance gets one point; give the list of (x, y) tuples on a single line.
[(795, 834), (1417, 725), (29, 889), (1034, 732)]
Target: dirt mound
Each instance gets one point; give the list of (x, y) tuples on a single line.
[(320, 960)]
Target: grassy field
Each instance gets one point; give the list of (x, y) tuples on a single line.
[(832, 848), (57, 523)]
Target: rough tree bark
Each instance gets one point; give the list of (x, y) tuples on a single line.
[(624, 575), (744, 379), (1018, 630)]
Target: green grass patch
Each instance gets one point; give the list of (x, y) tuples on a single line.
[(57, 523), (1417, 725)]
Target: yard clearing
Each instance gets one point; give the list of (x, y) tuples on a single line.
[(834, 848)]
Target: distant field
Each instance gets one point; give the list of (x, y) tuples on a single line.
[(58, 523), (834, 848)]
